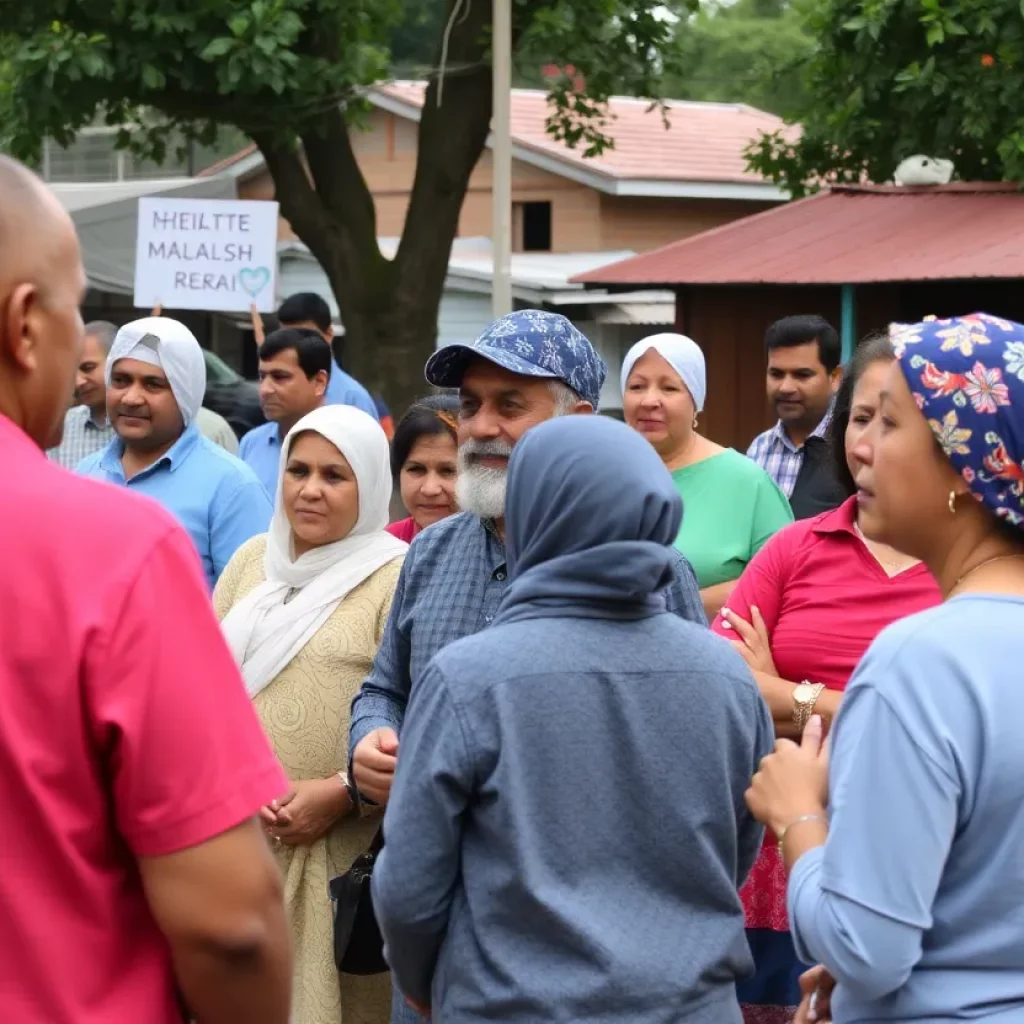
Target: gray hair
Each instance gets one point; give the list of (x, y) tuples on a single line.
[(103, 331), (565, 398)]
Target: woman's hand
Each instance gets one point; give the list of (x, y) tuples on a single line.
[(308, 812), (815, 984), (792, 782), (754, 643)]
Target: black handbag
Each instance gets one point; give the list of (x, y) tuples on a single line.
[(358, 946)]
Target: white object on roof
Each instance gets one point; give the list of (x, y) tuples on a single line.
[(923, 170)]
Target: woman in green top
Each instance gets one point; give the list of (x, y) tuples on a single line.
[(730, 505)]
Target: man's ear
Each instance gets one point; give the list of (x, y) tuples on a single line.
[(583, 406), (836, 378), (320, 382), (19, 340)]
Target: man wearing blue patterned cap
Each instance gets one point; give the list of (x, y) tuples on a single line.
[(527, 367)]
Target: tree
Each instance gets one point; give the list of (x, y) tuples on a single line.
[(892, 78), (290, 74), (749, 51)]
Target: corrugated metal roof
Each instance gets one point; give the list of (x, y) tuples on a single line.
[(849, 235)]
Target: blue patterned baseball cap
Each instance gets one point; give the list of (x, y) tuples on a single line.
[(530, 342)]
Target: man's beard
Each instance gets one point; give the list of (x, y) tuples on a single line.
[(481, 489)]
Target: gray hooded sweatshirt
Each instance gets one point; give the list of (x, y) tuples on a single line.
[(567, 830)]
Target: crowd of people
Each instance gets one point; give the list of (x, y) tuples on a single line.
[(645, 730)]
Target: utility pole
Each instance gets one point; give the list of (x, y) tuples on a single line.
[(501, 157)]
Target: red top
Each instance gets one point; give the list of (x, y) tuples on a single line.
[(824, 598), (125, 732), (404, 529)]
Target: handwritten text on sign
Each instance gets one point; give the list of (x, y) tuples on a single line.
[(215, 254)]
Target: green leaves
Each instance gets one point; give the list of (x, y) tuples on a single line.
[(890, 78)]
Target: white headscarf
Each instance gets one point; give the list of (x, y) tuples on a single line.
[(681, 353), (161, 341), (264, 632)]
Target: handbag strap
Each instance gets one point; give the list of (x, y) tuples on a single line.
[(377, 843)]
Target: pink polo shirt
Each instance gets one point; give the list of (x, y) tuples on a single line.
[(125, 731), (824, 598)]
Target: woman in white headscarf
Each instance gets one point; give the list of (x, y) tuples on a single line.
[(303, 609), (730, 505)]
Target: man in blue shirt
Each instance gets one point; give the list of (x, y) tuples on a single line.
[(308, 310), (156, 377), (295, 371)]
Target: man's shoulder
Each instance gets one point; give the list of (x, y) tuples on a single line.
[(74, 505), (441, 534), (76, 415), (90, 465), (763, 440), (223, 464), (259, 434)]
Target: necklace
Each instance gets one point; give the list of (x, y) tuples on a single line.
[(980, 565), (891, 567)]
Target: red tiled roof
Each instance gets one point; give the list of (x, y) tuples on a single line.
[(703, 141), (848, 235)]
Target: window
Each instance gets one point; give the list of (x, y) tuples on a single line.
[(531, 227)]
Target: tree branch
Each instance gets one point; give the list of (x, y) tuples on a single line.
[(339, 181)]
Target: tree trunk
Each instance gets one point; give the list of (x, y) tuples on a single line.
[(390, 308)]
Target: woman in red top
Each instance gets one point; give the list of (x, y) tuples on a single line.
[(803, 613), (424, 462)]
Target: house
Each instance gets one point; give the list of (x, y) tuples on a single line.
[(662, 180), (861, 256)]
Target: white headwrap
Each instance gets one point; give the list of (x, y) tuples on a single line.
[(264, 632), (161, 341), (681, 353)]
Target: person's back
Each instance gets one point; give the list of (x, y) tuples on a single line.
[(567, 831), (90, 778), (601, 870), (131, 760)]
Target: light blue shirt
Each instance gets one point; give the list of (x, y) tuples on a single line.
[(260, 450), (213, 494), (916, 902), (344, 389)]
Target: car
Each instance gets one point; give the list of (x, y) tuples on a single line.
[(231, 395)]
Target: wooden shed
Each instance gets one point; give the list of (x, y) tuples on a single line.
[(861, 256)]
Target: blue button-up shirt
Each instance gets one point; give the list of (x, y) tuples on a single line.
[(344, 389), (260, 450), (213, 494)]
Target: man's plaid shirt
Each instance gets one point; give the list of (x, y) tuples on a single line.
[(779, 457), (82, 437)]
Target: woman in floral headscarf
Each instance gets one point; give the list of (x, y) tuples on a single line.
[(906, 874)]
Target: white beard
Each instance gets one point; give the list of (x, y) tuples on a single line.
[(481, 489)]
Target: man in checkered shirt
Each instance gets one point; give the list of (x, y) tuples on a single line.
[(529, 366), (86, 428), (804, 371)]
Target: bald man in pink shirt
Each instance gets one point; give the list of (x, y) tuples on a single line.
[(135, 881)]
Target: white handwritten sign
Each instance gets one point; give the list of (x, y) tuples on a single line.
[(215, 254)]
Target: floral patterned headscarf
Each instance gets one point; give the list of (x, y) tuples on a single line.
[(967, 376)]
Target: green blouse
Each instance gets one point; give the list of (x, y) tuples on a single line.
[(730, 508)]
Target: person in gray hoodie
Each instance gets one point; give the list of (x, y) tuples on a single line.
[(567, 830)]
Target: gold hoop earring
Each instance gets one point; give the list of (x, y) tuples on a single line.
[(952, 503)]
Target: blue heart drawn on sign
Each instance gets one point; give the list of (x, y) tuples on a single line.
[(253, 279)]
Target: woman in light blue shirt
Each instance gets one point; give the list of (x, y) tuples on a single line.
[(906, 853)]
